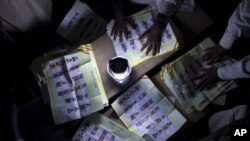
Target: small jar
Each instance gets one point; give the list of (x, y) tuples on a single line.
[(119, 70)]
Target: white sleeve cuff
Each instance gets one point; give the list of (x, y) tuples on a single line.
[(233, 71), (164, 6), (228, 39)]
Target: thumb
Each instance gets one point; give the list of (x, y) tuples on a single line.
[(144, 35)]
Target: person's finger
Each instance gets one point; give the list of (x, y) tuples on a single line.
[(113, 29), (154, 47), (214, 60), (206, 56), (202, 81), (144, 35), (202, 84), (211, 60), (115, 33), (120, 35), (148, 49), (125, 31), (144, 46), (158, 47)]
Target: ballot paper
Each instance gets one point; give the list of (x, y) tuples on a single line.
[(97, 127), (37, 69), (81, 25), (178, 76), (131, 48), (72, 85), (146, 112)]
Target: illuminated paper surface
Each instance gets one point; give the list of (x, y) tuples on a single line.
[(131, 48), (81, 25), (73, 86), (100, 128), (177, 76), (145, 111)]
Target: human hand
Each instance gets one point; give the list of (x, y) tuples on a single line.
[(213, 54), (121, 23), (120, 27), (207, 79), (153, 36)]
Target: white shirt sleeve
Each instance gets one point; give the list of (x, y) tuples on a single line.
[(226, 117), (238, 25), (239, 69), (165, 6)]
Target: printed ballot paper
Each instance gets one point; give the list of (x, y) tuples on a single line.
[(97, 127), (131, 48), (81, 25), (178, 76), (73, 85), (146, 112)]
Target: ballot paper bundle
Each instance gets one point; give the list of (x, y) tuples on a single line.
[(97, 127), (146, 112), (81, 25), (73, 86), (37, 68), (131, 48), (178, 76)]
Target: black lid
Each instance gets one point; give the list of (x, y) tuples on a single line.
[(118, 65)]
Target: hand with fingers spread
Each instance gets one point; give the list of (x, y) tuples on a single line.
[(120, 27), (153, 38), (207, 79), (121, 23), (213, 54)]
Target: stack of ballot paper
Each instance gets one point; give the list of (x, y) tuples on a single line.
[(131, 48), (81, 25), (146, 112), (37, 69), (100, 128), (178, 76), (73, 85)]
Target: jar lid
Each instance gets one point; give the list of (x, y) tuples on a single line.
[(118, 65)]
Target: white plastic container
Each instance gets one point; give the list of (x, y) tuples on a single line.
[(121, 75)]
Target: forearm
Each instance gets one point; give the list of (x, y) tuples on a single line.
[(161, 20), (239, 69), (118, 6), (238, 25), (229, 37)]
